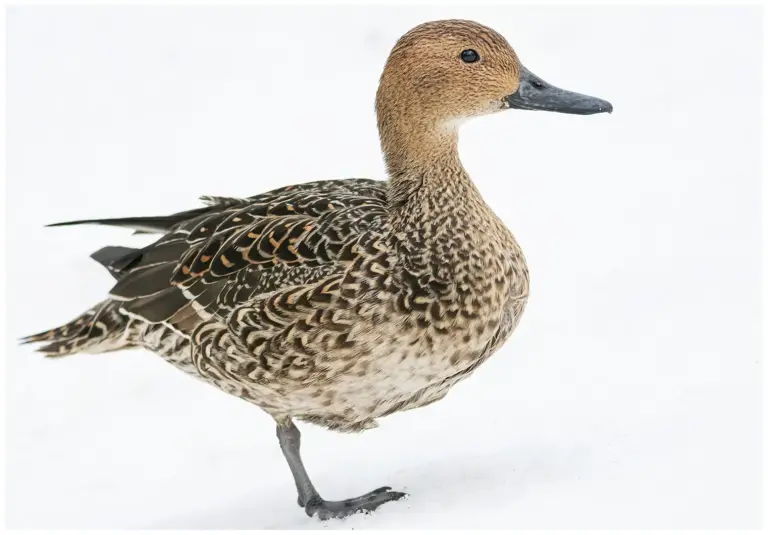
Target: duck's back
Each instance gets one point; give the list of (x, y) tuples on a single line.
[(235, 251)]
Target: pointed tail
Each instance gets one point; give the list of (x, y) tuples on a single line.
[(102, 328)]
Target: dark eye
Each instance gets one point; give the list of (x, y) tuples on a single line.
[(469, 56)]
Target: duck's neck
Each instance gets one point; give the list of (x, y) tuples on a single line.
[(424, 167), (440, 225)]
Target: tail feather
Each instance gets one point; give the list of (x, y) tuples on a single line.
[(159, 224), (117, 259), (103, 327), (142, 225), (100, 329)]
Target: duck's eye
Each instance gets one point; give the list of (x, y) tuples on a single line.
[(469, 56)]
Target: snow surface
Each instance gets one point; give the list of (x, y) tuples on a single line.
[(628, 397)]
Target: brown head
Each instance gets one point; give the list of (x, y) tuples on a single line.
[(440, 74)]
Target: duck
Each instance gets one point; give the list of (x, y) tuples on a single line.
[(339, 302)]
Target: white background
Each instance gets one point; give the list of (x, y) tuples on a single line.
[(628, 397)]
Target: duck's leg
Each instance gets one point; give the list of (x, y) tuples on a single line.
[(309, 498)]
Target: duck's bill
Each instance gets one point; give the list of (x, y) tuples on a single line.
[(536, 94)]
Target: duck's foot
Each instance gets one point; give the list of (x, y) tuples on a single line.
[(366, 503), (310, 499)]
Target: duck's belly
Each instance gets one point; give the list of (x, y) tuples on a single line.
[(404, 373), (396, 381)]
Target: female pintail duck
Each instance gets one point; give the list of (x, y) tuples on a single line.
[(339, 302)]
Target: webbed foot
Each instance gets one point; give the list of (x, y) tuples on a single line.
[(366, 503)]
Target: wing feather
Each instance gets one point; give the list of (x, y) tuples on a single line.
[(234, 250)]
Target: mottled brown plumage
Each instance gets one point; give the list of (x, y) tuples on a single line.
[(342, 301)]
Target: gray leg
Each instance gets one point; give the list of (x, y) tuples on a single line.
[(309, 498)]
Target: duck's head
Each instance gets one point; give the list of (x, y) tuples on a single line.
[(441, 73)]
